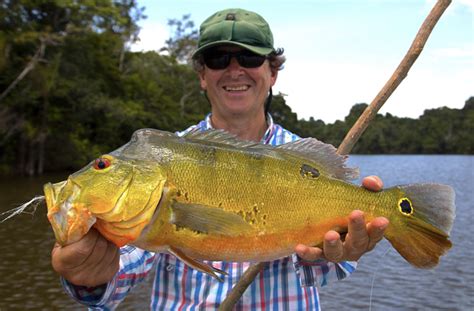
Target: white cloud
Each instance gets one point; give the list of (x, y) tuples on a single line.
[(152, 37), (327, 91), (466, 3), (461, 53), (454, 6), (428, 88)]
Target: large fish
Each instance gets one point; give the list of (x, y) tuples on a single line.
[(211, 196)]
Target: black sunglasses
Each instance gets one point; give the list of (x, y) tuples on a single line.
[(217, 60)]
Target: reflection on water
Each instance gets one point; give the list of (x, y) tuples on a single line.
[(27, 280)]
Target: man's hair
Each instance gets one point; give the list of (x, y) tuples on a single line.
[(276, 60)]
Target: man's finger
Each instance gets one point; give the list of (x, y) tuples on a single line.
[(99, 251), (375, 230), (108, 266), (357, 239), (76, 254), (333, 248), (372, 183), (308, 253)]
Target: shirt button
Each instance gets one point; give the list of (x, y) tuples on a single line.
[(169, 268)]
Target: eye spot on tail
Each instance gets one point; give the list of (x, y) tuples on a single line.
[(405, 206), (309, 171)]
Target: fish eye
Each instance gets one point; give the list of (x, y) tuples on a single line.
[(405, 206), (101, 163)]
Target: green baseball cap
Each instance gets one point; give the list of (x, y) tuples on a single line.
[(236, 27)]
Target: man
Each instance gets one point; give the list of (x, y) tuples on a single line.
[(237, 66)]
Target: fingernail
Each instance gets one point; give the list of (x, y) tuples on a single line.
[(383, 227), (332, 242)]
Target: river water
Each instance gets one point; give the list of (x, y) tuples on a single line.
[(383, 280)]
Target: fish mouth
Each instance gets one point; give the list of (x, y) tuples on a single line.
[(70, 221)]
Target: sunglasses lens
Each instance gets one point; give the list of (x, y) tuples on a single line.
[(217, 60), (250, 60), (220, 60)]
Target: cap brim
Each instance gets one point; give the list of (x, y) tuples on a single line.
[(256, 49)]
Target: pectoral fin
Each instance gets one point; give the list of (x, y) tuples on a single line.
[(210, 220), (196, 264)]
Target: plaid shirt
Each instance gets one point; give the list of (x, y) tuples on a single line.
[(285, 284)]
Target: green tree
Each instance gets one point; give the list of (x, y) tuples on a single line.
[(34, 35), (184, 39), (282, 113)]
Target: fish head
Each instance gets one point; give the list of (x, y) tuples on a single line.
[(117, 196)]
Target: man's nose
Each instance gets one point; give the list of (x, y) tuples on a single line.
[(234, 66)]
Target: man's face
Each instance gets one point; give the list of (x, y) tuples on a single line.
[(236, 90)]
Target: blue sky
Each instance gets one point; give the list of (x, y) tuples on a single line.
[(342, 52)]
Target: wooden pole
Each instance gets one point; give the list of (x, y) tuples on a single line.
[(358, 128)]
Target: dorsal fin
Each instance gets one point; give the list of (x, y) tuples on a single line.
[(309, 151), (324, 155), (140, 138), (219, 137), (146, 134)]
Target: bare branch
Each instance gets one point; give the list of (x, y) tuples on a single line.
[(29, 67), (9, 124)]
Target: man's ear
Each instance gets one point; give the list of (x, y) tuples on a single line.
[(202, 79), (274, 75)]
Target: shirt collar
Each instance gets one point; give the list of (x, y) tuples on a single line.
[(266, 137)]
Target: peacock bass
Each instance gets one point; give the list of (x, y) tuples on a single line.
[(210, 196)]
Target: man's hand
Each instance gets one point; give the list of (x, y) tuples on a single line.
[(91, 261), (361, 238)]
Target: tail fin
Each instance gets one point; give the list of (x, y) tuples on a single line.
[(422, 237)]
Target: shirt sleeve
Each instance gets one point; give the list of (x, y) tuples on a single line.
[(321, 272), (135, 264)]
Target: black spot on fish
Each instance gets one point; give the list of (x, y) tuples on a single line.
[(207, 155), (309, 171), (255, 156), (405, 206)]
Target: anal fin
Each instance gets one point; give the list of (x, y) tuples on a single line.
[(196, 264)]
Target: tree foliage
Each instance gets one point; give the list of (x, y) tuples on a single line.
[(185, 36), (441, 131), (71, 90)]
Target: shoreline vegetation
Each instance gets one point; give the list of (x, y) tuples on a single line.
[(70, 90)]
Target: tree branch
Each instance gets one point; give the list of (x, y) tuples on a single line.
[(30, 66), (359, 127)]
